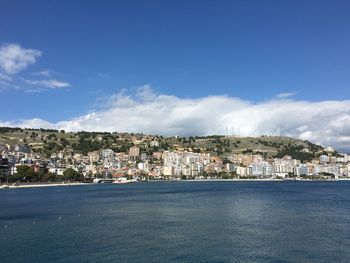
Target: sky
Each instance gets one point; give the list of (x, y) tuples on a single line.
[(178, 67)]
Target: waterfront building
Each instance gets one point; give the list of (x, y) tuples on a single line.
[(267, 169), (301, 170), (230, 167), (244, 171), (333, 169), (262, 169), (257, 169), (168, 171), (4, 169)]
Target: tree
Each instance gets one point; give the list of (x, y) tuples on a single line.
[(25, 173), (71, 174), (64, 142)]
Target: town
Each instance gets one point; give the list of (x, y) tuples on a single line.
[(149, 158)]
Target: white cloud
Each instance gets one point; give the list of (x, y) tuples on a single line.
[(44, 73), (5, 77), (325, 122), (49, 83), (6, 81), (103, 75), (31, 123), (285, 95), (14, 58)]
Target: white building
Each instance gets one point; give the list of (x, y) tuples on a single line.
[(57, 170), (244, 171), (168, 171), (301, 170), (154, 143), (324, 159), (230, 167)]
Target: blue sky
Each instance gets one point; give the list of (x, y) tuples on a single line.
[(251, 50)]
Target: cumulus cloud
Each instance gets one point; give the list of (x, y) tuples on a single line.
[(14, 58), (325, 122), (47, 83)]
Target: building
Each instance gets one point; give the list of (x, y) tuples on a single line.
[(324, 159), (143, 157), (267, 169), (329, 150), (107, 156), (244, 171), (134, 153), (168, 171), (57, 170), (22, 148), (301, 170), (94, 156), (230, 167), (154, 143), (4, 169), (257, 169)]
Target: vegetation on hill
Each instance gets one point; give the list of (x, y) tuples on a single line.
[(48, 141)]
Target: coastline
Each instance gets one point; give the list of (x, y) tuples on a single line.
[(232, 180), (35, 185), (264, 180)]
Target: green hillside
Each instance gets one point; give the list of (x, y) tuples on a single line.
[(45, 142)]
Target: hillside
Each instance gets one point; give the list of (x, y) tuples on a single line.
[(45, 142)]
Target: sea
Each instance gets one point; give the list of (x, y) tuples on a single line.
[(225, 221)]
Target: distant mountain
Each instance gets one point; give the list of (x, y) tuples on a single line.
[(45, 142)]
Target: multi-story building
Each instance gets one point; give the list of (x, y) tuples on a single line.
[(301, 170), (4, 169), (168, 171), (94, 156), (262, 169), (134, 153), (244, 171), (154, 143), (230, 167), (324, 159)]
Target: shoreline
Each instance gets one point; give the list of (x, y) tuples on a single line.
[(36, 185), (265, 180), (232, 180)]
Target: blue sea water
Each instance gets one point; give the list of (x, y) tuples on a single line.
[(177, 222)]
